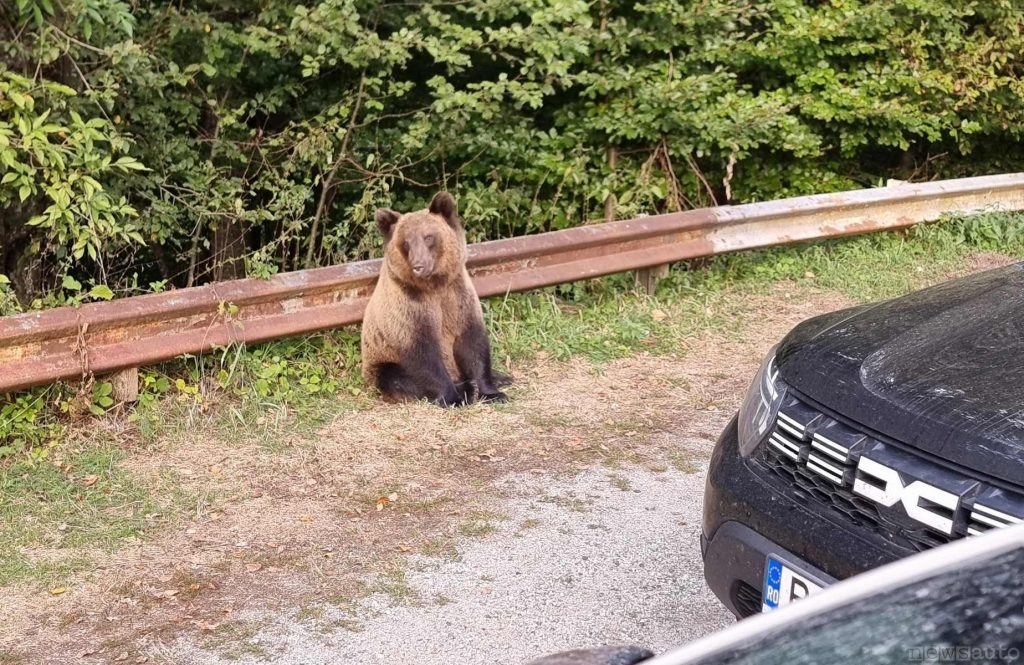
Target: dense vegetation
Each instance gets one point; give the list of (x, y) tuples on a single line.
[(149, 145)]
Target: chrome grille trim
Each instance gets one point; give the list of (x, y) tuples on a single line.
[(825, 469), (976, 517), (790, 424), (830, 448), (785, 446), (984, 518), (997, 514)]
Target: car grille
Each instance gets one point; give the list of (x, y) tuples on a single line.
[(746, 599), (872, 484)]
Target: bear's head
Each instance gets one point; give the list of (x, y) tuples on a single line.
[(427, 247)]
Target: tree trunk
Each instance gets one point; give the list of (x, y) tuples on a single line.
[(228, 246), (226, 256), (26, 272), (20, 258)]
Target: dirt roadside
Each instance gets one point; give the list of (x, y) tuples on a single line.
[(316, 522), (602, 557)]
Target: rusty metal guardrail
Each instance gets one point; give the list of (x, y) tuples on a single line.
[(100, 338)]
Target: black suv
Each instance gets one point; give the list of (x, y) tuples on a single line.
[(870, 434)]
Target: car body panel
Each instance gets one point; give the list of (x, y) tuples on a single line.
[(940, 370)]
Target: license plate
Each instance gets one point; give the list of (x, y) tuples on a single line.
[(783, 584)]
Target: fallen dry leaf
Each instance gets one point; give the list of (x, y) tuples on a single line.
[(253, 567), (56, 591), (89, 481), (658, 315), (202, 625)]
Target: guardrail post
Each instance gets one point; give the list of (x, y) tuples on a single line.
[(647, 278), (126, 385)]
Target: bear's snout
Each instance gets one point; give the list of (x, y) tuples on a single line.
[(421, 258)]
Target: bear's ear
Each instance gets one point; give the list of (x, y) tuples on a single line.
[(444, 205), (386, 219)]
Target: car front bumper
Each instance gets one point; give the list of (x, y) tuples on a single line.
[(750, 513)]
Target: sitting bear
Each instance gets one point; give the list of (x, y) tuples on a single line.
[(423, 331)]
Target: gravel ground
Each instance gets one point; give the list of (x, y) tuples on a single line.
[(602, 558)]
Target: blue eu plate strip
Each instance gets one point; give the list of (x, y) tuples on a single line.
[(772, 583)]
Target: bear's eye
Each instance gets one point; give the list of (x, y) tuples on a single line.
[(429, 240), (405, 246)]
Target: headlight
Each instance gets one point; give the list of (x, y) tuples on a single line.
[(761, 405)]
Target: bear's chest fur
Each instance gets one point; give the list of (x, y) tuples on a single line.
[(402, 319)]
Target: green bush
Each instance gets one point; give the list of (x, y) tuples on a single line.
[(159, 144)]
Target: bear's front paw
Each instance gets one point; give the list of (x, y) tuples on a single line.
[(494, 398), (501, 379), (467, 392)]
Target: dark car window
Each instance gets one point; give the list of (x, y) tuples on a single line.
[(973, 615)]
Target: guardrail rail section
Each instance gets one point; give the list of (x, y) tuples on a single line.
[(102, 338)]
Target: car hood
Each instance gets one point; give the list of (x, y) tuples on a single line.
[(941, 370)]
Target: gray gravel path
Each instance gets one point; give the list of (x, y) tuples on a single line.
[(602, 558)]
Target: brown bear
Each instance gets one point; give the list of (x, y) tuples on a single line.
[(423, 331)]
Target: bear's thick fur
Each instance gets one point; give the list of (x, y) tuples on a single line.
[(423, 331)]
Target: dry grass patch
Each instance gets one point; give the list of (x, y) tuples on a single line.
[(275, 528), (978, 261)]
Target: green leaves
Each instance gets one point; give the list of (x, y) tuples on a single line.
[(62, 165), (129, 164), (175, 132), (101, 292), (74, 289), (102, 398)]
